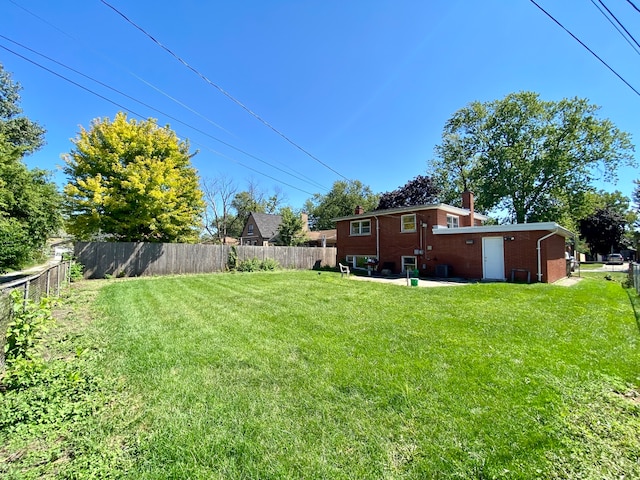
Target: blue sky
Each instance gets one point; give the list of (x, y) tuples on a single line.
[(365, 87)]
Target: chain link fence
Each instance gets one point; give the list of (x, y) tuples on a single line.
[(48, 282), (634, 276)]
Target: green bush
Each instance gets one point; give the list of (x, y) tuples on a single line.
[(249, 265), (76, 271), (29, 322), (269, 264)]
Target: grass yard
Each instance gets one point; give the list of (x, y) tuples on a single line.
[(300, 375)]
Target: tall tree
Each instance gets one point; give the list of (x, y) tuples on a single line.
[(29, 200), (219, 218), (290, 230), (418, 191), (530, 158), (132, 181), (603, 230), (340, 201)]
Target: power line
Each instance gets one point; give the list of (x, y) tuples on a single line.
[(156, 110), (635, 47), (585, 46), (122, 107), (221, 90), (137, 77), (299, 175), (633, 5)]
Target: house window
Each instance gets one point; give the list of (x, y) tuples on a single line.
[(250, 229), (408, 222), (361, 227), (359, 261), (453, 221), (409, 263)]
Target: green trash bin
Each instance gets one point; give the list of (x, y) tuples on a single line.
[(414, 282)]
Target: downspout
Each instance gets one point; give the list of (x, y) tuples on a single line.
[(551, 234), (377, 238)]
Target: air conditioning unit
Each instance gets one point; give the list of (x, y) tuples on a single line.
[(442, 271)]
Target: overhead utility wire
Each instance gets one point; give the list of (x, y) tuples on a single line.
[(619, 23), (224, 92), (590, 51), (122, 107), (159, 90), (633, 5), (155, 109), (616, 27)]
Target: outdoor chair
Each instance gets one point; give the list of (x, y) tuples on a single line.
[(344, 269)]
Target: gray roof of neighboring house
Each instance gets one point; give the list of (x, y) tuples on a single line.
[(267, 223)]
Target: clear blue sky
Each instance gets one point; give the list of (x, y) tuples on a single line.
[(364, 86)]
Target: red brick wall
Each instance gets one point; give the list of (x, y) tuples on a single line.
[(464, 259)]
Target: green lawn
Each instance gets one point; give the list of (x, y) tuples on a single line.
[(306, 375)]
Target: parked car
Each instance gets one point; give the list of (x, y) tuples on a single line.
[(615, 259)]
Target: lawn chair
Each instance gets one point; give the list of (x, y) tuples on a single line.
[(344, 269)]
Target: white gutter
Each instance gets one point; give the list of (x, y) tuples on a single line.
[(540, 254), (377, 238)]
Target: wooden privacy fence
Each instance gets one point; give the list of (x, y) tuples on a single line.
[(132, 259), (47, 282)]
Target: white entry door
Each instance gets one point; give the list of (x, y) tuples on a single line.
[(493, 258)]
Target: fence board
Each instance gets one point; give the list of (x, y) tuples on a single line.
[(147, 259)]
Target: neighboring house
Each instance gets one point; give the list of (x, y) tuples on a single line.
[(321, 238), (441, 240), (261, 229)]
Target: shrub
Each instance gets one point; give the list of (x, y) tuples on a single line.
[(76, 271), (249, 265), (269, 264), (23, 341), (232, 260)]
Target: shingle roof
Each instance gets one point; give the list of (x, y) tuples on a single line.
[(267, 224)]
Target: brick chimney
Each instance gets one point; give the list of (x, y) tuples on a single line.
[(359, 210), (467, 204), (305, 221)]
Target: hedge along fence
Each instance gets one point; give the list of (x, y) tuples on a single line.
[(48, 282), (129, 259)]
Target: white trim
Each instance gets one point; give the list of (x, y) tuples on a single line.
[(515, 227), (360, 232), (415, 262), (415, 224), (416, 208)]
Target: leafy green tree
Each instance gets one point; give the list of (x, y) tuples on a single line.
[(340, 201), (132, 181), (16, 129), (603, 230), (29, 201), (530, 158), (290, 231)]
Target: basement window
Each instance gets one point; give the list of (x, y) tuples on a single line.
[(409, 264), (359, 262)]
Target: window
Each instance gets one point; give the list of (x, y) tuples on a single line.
[(250, 229), (359, 261), (361, 227), (408, 223), (453, 221), (409, 264)]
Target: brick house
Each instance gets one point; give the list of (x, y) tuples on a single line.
[(442, 241), (262, 229)]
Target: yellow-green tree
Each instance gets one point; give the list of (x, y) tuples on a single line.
[(132, 181)]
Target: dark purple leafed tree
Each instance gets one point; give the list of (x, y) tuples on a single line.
[(420, 191)]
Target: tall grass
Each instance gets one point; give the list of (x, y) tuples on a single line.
[(300, 375)]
